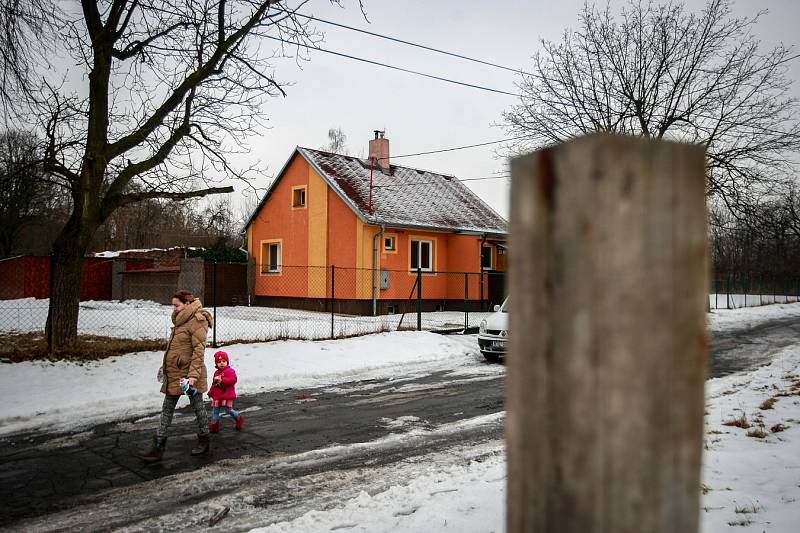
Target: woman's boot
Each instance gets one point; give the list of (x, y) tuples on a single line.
[(155, 452), (203, 442)]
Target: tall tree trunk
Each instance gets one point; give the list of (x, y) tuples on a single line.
[(65, 283)]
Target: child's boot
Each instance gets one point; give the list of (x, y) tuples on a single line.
[(203, 443), (213, 426), (239, 422), (155, 452)]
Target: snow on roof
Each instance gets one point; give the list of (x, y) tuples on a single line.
[(116, 253), (401, 196), (406, 196)]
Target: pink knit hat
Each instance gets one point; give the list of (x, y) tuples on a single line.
[(221, 355)]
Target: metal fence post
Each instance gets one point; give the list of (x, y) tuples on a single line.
[(49, 324), (419, 299), (466, 301), (761, 289), (773, 288), (716, 294), (214, 293), (605, 400), (728, 292), (333, 296)]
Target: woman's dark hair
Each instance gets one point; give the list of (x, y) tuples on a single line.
[(184, 296)]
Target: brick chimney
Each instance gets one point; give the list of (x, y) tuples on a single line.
[(379, 149)]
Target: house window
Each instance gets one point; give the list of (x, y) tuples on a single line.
[(299, 197), (486, 257), (421, 255), (270, 257), (389, 244)]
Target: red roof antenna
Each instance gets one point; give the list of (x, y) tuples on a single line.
[(371, 166)]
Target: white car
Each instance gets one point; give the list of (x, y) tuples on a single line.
[(493, 333)]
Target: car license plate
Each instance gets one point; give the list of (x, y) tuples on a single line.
[(498, 344)]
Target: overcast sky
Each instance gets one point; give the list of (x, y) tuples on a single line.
[(421, 114)]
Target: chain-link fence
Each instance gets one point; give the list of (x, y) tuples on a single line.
[(296, 301), (129, 299), (753, 289)]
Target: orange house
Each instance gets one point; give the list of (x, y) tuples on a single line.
[(375, 226)]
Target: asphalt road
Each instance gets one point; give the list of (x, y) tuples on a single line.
[(43, 474)]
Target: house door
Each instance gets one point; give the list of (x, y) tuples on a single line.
[(497, 288)]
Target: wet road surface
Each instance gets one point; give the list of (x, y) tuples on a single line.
[(42, 474)]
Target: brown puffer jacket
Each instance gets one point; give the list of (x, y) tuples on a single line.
[(186, 348)]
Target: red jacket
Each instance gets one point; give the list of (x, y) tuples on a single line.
[(226, 390)]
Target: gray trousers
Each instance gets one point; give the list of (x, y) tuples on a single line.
[(168, 410)]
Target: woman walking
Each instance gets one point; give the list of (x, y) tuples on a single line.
[(184, 371)]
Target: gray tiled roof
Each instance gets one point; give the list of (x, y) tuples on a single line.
[(406, 196)]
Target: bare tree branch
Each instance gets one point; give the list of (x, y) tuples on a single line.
[(658, 70), (174, 91), (129, 198)]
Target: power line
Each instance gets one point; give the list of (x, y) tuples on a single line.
[(463, 147), (386, 65), (436, 182), (402, 41)]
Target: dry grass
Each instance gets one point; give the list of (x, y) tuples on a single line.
[(777, 428), (33, 347), (742, 522), (739, 422), (746, 509), (794, 390), (757, 433), (768, 403)]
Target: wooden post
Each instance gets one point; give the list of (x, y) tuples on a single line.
[(605, 375)]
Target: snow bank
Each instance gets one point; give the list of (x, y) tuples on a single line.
[(749, 483), (748, 317), (56, 396)]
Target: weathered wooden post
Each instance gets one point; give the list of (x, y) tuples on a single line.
[(605, 375)]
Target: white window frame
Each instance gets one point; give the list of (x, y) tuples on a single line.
[(301, 192), (393, 239), (277, 266), (418, 243)]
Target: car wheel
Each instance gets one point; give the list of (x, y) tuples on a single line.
[(491, 357)]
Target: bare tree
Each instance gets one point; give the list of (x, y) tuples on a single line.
[(659, 71), (153, 223), (172, 91), (337, 142), (27, 198), (756, 253), (219, 220), (27, 31)]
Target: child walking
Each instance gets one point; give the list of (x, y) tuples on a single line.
[(223, 392)]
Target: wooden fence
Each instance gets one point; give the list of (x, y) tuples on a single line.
[(605, 388)]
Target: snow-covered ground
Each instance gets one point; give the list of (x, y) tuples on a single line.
[(748, 317), (750, 483), (75, 395)]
